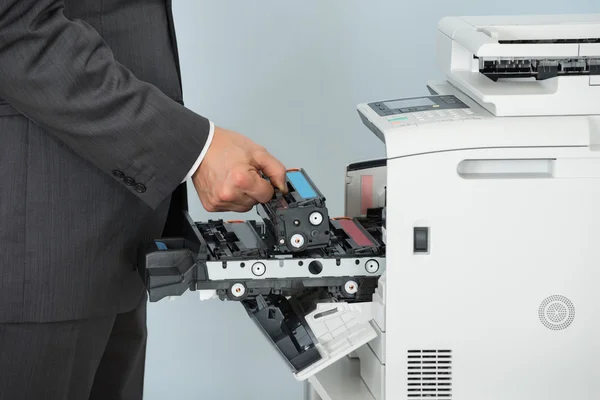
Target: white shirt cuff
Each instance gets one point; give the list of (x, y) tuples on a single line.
[(204, 150)]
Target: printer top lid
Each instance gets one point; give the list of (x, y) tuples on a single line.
[(524, 65), (549, 35)]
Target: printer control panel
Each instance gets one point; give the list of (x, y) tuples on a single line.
[(430, 104), (420, 111)]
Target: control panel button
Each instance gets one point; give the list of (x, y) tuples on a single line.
[(398, 120), (449, 99)]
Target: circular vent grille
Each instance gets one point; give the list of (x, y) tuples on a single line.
[(556, 312)]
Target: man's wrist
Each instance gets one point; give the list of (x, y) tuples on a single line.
[(202, 154)]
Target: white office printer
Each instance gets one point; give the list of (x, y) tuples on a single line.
[(492, 193)]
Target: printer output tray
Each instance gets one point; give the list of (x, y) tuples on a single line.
[(313, 306)]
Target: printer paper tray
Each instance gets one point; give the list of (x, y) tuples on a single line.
[(340, 333)]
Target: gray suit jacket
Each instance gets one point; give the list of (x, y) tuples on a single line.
[(94, 141)]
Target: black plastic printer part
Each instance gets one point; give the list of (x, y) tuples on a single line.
[(283, 322), (167, 272), (299, 219), (172, 266), (539, 69)]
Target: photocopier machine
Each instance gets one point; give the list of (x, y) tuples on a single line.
[(467, 264)]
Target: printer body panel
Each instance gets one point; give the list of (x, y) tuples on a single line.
[(491, 216), (504, 291)]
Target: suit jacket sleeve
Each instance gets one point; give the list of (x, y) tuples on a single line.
[(63, 76)]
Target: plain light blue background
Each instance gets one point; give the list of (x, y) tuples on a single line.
[(289, 74)]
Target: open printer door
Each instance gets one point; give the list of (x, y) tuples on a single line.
[(309, 296)]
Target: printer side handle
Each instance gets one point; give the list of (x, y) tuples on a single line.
[(540, 168)]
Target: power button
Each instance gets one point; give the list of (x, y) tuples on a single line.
[(421, 240)]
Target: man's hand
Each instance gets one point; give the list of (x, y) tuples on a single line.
[(229, 177)]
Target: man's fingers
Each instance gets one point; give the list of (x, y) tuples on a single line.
[(241, 205), (240, 184), (272, 168), (248, 182), (240, 208), (259, 189)]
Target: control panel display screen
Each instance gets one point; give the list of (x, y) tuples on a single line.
[(422, 102), (434, 103)]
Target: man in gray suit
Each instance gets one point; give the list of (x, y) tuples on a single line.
[(94, 146)]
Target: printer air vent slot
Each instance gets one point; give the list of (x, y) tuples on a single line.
[(429, 374)]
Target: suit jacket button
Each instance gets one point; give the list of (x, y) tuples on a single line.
[(140, 188), (129, 181), (118, 174)]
